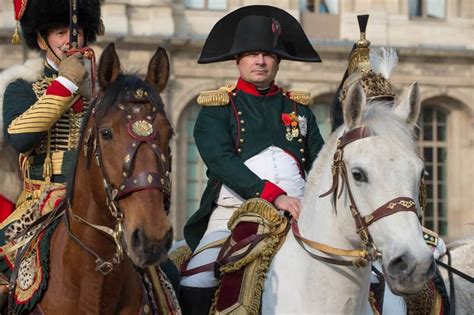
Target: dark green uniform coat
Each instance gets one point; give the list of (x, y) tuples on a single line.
[(226, 136), (19, 96)]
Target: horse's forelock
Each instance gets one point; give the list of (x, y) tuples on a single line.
[(124, 84), (380, 120)]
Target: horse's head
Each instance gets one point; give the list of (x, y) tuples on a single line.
[(383, 171), (128, 133)]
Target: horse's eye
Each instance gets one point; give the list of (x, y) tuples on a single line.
[(359, 175), (106, 134)]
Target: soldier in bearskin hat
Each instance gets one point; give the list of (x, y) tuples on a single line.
[(257, 140), (43, 103)]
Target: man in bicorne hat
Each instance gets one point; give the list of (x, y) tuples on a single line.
[(257, 140), (43, 107)]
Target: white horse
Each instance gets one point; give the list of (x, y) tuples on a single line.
[(380, 168), (462, 259)]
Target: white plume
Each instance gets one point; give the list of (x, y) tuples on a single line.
[(383, 61)]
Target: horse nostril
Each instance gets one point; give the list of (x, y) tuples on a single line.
[(138, 238), (400, 265)]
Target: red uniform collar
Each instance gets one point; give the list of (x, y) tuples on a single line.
[(249, 88)]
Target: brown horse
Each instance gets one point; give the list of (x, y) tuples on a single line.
[(119, 197)]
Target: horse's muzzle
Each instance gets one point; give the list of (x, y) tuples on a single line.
[(149, 251), (407, 276)]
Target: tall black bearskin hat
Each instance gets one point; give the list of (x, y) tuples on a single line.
[(42, 15), (258, 28)]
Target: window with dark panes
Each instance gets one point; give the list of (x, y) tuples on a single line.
[(435, 9), (321, 106), (194, 178), (321, 6), (433, 141)]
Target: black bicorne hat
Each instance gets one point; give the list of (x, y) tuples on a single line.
[(43, 15), (258, 28)]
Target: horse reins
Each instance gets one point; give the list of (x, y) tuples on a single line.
[(339, 172), (141, 131)]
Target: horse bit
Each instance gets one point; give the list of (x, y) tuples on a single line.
[(141, 131), (339, 171)]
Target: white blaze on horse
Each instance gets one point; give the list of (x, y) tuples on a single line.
[(382, 166)]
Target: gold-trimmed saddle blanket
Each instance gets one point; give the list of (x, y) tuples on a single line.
[(37, 199), (242, 263)]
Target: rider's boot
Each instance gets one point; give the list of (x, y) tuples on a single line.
[(3, 292), (196, 301)]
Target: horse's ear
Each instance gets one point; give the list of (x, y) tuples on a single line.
[(409, 109), (354, 105), (159, 70), (109, 67)]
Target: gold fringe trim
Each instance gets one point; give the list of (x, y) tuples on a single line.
[(303, 98), (218, 97), (258, 260), (180, 255), (261, 208)]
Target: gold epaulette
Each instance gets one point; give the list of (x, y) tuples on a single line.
[(303, 98), (218, 97)]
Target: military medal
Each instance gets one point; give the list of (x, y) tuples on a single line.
[(303, 124), (291, 123)]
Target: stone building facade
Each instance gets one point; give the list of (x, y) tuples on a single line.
[(436, 48)]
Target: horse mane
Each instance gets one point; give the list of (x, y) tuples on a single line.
[(123, 86)]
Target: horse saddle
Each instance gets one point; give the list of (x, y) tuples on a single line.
[(257, 233)]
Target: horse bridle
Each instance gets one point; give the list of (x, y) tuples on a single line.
[(142, 132), (360, 257)]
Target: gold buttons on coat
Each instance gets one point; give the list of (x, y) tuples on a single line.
[(242, 121), (257, 194), (241, 140), (239, 113), (243, 129), (300, 140), (302, 150), (303, 159), (239, 150)]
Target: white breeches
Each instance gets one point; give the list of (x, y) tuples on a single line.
[(216, 230), (272, 164)]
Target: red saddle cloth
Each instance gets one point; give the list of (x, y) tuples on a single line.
[(6, 208), (257, 232)]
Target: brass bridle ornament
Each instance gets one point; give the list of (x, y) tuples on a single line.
[(141, 131), (357, 257)]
